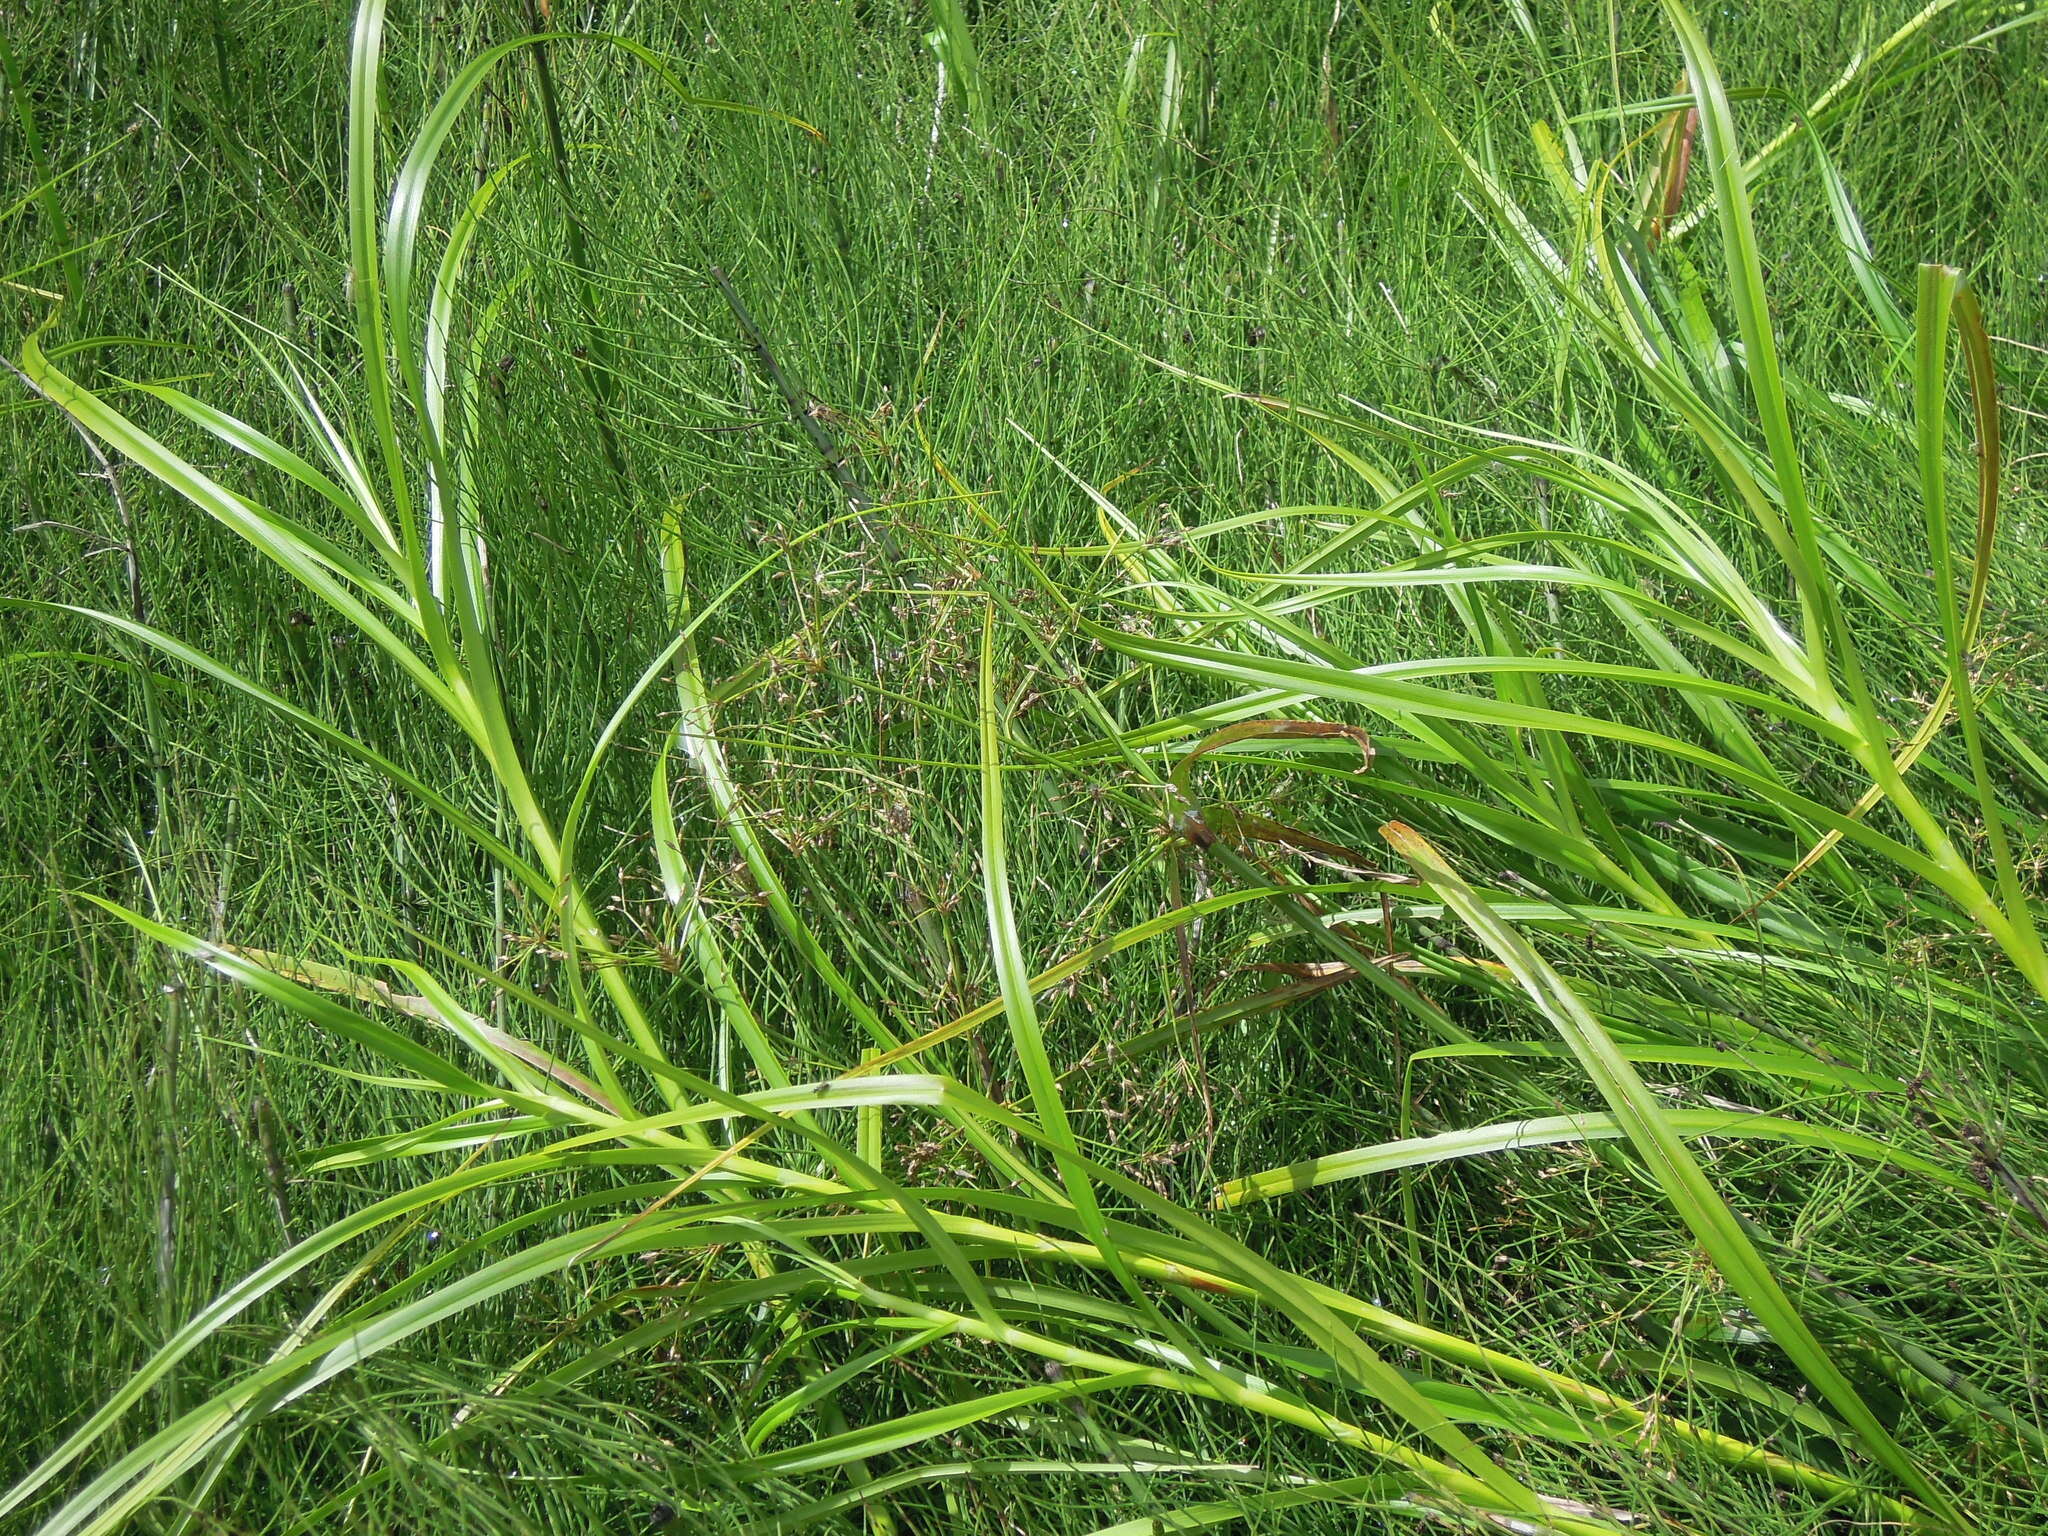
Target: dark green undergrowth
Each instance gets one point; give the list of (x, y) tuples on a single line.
[(1117, 483)]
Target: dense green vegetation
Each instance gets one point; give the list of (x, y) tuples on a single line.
[(920, 766)]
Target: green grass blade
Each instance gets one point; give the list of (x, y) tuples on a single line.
[(1692, 1196), (1564, 1130)]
